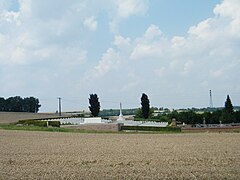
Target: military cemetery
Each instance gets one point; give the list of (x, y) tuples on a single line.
[(119, 89)]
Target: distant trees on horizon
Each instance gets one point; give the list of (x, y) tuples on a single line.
[(225, 115), (192, 116), (19, 104), (188, 116)]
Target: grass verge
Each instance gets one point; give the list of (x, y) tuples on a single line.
[(35, 128), (49, 129), (56, 129)]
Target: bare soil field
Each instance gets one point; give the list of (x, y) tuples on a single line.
[(13, 117), (51, 155)]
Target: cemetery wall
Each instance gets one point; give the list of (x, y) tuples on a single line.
[(217, 129), (98, 127)]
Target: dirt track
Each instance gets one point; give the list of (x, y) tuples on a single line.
[(46, 155)]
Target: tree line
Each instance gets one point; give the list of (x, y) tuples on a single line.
[(225, 115), (19, 104)]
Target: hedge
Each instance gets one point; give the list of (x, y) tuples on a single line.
[(39, 123), (157, 119), (54, 123), (33, 122), (150, 128)]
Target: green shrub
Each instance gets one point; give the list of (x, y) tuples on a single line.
[(39, 123), (154, 119), (54, 123), (150, 128), (33, 122)]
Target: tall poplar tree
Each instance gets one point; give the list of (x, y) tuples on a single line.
[(228, 105), (94, 104), (145, 106), (227, 113)]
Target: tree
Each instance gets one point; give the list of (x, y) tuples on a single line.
[(14, 104), (94, 104), (228, 105), (18, 104), (145, 106), (2, 104), (237, 116), (31, 104), (228, 113), (190, 117), (138, 113)]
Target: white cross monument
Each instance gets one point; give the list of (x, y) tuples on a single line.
[(120, 118)]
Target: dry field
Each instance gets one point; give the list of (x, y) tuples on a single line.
[(46, 155), (13, 117)]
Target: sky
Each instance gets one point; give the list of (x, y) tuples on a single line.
[(174, 51)]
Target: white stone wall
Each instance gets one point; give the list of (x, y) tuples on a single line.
[(78, 121), (92, 120)]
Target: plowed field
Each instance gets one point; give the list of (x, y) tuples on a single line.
[(13, 117), (46, 155)]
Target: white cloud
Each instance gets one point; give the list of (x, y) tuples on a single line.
[(10, 17), (125, 9), (40, 47), (131, 7), (37, 33), (91, 23), (121, 42), (110, 60), (143, 51), (152, 32), (151, 45), (202, 30), (228, 8), (226, 22), (206, 57), (67, 57)]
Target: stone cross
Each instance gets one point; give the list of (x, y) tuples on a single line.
[(120, 118)]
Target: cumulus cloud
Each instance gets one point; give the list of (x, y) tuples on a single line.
[(207, 57), (40, 42), (90, 23), (109, 61), (152, 32), (151, 45), (11, 17), (131, 7), (122, 42), (124, 9)]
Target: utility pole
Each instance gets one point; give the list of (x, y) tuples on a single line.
[(59, 106)]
